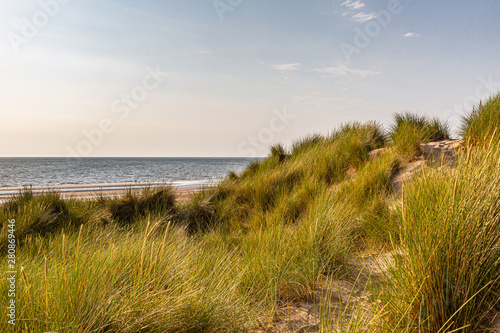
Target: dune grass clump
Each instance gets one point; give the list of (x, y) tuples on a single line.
[(198, 214), (127, 208), (409, 130), (35, 215), (306, 143), (448, 276), (278, 152), (482, 124), (370, 131)]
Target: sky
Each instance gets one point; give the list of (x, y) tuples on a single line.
[(231, 77)]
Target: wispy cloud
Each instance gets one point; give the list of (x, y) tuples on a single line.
[(288, 67), (354, 7), (411, 34), (343, 70), (353, 4), (363, 17)]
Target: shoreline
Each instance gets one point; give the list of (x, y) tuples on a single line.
[(91, 191)]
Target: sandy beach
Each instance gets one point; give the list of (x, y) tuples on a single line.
[(96, 190)]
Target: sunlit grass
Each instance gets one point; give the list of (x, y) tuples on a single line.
[(482, 124), (230, 257), (449, 275), (409, 130)]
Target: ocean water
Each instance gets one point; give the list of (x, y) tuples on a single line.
[(20, 172)]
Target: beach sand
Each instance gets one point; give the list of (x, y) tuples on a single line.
[(96, 190)]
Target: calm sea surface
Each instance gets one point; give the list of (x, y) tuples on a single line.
[(17, 172)]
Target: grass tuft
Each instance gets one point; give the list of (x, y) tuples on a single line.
[(409, 130), (482, 124), (35, 215), (127, 208)]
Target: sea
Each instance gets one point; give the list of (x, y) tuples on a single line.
[(179, 172)]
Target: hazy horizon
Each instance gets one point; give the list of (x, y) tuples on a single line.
[(228, 78)]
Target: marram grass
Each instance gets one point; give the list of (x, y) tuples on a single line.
[(409, 130), (229, 258), (448, 275), (482, 124), (111, 281)]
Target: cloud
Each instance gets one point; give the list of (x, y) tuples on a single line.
[(411, 34), (288, 67), (343, 70), (363, 17), (353, 5)]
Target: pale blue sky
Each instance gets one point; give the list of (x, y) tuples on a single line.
[(233, 66)]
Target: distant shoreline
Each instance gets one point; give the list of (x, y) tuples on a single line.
[(89, 191), (105, 173)]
